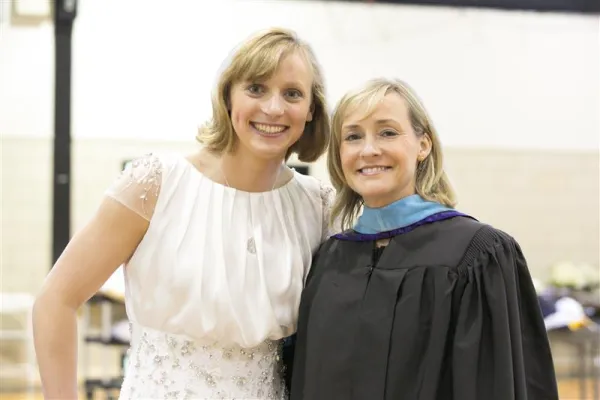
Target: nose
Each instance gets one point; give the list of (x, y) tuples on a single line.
[(370, 147), (273, 106)]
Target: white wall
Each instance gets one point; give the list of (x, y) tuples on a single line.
[(143, 70)]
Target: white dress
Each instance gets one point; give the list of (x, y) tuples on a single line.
[(215, 283)]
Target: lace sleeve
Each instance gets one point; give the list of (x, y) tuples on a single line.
[(138, 186), (327, 198)]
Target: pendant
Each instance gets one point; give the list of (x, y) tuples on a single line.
[(251, 246)]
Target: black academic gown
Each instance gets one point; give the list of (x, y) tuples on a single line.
[(448, 312)]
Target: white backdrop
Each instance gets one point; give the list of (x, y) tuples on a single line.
[(145, 71)]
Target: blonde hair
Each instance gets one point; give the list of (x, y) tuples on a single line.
[(431, 180), (255, 60)]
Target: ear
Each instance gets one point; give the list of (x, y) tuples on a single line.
[(311, 110), (425, 147), (309, 116), (226, 93), (227, 101)]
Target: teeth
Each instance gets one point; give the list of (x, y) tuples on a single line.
[(372, 170), (269, 128)]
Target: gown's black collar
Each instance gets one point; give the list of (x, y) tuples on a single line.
[(353, 236)]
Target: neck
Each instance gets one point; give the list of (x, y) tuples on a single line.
[(399, 214), (391, 197), (384, 202), (248, 173)]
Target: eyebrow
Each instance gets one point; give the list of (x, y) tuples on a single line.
[(351, 126), (384, 121), (297, 85), (292, 83)]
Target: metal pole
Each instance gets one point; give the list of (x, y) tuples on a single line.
[(64, 15)]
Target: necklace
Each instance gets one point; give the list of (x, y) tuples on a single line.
[(228, 185), (251, 243)]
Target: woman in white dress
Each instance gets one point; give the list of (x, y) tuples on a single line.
[(216, 245)]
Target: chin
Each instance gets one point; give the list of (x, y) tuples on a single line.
[(368, 189), (269, 150)]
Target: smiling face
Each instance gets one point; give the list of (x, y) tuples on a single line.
[(269, 115), (379, 152)]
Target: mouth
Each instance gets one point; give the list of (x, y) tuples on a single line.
[(373, 170), (269, 130)]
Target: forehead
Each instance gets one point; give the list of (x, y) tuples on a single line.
[(283, 67), (391, 107), (293, 67)]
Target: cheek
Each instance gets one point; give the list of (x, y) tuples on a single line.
[(234, 113), (406, 155), (234, 117), (239, 110), (240, 119), (347, 159), (299, 114)]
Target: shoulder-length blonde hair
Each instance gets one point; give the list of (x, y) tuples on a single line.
[(431, 180), (257, 59)]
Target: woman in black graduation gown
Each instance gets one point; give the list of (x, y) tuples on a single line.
[(416, 301)]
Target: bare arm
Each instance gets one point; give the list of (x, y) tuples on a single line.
[(88, 261), (90, 258)]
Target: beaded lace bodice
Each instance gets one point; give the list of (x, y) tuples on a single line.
[(165, 366), (216, 281)]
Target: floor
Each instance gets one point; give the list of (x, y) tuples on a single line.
[(569, 390)]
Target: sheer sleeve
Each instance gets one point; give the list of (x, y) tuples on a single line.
[(500, 347), (327, 198), (138, 186)]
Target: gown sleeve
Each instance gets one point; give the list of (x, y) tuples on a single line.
[(138, 185), (500, 348)]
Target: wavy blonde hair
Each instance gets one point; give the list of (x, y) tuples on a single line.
[(431, 181), (257, 59)]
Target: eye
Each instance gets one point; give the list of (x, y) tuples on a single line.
[(351, 137), (294, 94), (254, 89), (389, 133)]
